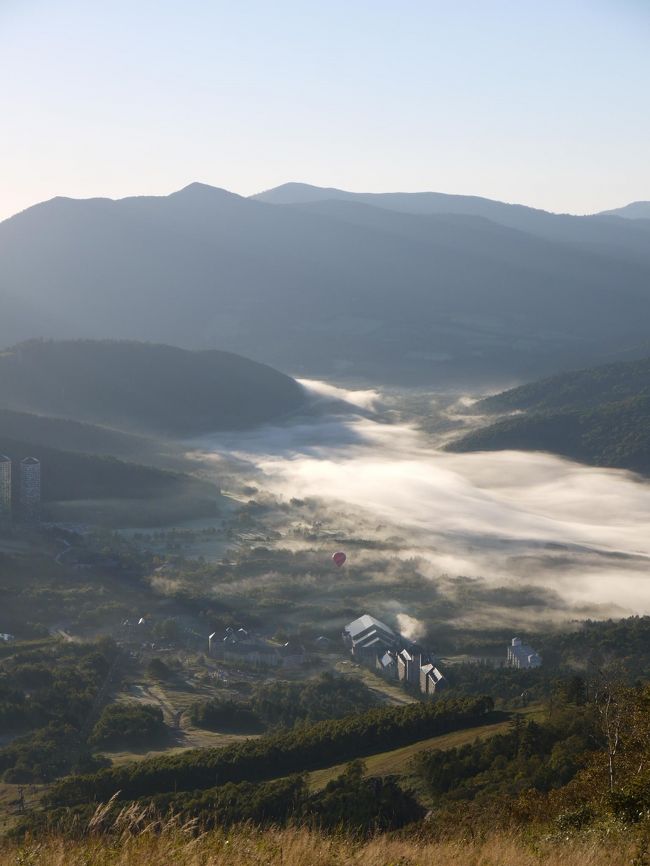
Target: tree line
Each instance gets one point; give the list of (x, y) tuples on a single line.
[(302, 749)]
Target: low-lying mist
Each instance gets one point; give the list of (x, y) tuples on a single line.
[(579, 533)]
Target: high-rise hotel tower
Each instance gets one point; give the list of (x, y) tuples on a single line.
[(30, 488), (5, 488)]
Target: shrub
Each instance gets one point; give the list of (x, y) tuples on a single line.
[(128, 724)]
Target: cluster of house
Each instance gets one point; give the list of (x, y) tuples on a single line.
[(376, 645), (241, 646)]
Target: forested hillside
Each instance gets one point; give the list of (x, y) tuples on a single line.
[(67, 475), (599, 416), (62, 433), (580, 389), (295, 751), (142, 387)]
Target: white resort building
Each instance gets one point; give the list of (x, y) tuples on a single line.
[(520, 655)]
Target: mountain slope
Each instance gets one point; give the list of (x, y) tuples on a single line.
[(329, 287), (635, 210), (73, 435), (599, 416), (70, 476), (142, 387), (598, 229), (579, 389)]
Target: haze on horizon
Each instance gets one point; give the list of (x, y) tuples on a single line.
[(540, 104)]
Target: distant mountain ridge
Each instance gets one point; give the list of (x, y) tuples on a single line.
[(349, 286), (592, 228), (634, 210), (599, 416)]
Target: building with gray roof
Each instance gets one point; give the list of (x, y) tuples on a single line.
[(367, 636)]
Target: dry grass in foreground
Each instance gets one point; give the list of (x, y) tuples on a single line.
[(177, 846)]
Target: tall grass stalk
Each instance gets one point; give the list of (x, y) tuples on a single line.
[(136, 838)]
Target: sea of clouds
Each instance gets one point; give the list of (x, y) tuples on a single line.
[(531, 518)]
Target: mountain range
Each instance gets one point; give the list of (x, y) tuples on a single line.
[(396, 287)]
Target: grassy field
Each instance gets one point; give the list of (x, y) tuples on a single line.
[(9, 795), (397, 761), (174, 699), (177, 846), (386, 691)]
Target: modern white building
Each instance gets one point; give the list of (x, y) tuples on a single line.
[(431, 679), (520, 655), (367, 636), (408, 666), (30, 488), (5, 487)]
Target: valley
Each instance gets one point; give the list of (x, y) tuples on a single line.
[(361, 471), (324, 434)]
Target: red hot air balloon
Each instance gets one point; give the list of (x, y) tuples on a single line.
[(339, 558)]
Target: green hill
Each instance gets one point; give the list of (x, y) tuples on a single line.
[(71, 476), (143, 387), (599, 416), (98, 475), (62, 433)]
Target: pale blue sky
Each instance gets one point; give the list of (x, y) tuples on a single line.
[(544, 102)]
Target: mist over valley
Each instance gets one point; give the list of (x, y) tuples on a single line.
[(511, 519), (325, 434)]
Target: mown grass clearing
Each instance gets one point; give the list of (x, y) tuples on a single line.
[(387, 692), (397, 761)]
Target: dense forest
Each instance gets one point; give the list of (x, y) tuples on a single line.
[(349, 803), (52, 691), (282, 704), (580, 763), (128, 724), (599, 416), (296, 751), (143, 387)]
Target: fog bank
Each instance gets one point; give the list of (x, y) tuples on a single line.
[(507, 517)]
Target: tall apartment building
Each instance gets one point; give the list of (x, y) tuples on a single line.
[(30, 488), (5, 488)]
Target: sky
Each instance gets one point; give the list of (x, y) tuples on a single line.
[(542, 103)]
